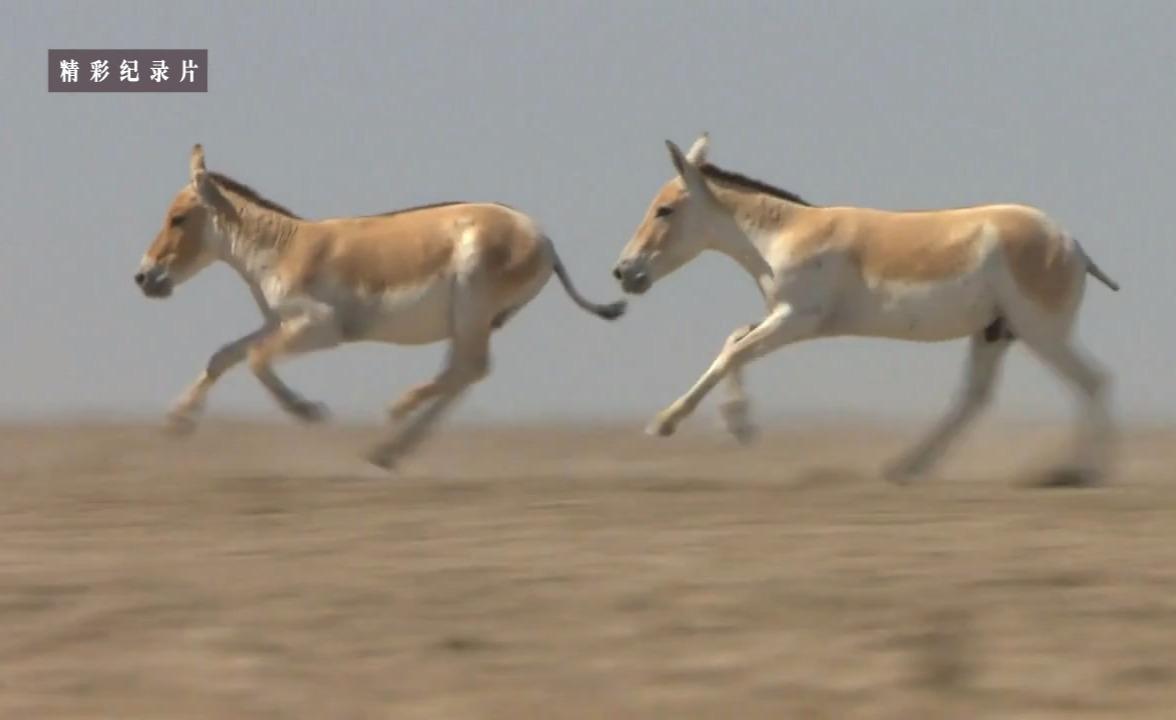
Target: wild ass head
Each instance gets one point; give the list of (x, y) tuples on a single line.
[(676, 223), (189, 240)]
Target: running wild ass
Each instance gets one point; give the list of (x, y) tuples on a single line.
[(451, 272), (990, 273)]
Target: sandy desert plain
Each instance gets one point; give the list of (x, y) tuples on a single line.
[(263, 571)]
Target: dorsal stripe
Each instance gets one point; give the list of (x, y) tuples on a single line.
[(239, 188)]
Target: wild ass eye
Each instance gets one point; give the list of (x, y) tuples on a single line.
[(176, 220), (663, 211)]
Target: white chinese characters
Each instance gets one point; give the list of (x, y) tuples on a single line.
[(128, 71), (99, 70), (69, 71), (189, 71)]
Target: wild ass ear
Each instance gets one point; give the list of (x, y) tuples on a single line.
[(196, 162), (206, 190), (689, 172), (697, 152)]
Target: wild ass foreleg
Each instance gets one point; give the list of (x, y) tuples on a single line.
[(982, 369), (187, 409), (783, 326), (735, 408), (294, 336)]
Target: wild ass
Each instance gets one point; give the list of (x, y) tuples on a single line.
[(450, 272), (991, 273)]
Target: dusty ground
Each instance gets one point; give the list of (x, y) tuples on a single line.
[(263, 572)]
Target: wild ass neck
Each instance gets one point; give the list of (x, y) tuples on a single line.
[(254, 240), (750, 223)]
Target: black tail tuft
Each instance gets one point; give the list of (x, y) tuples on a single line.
[(610, 311), (1096, 271), (614, 310)]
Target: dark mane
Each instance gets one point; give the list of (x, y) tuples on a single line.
[(742, 181), (250, 194), (240, 188)]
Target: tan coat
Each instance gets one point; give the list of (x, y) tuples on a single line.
[(450, 272)]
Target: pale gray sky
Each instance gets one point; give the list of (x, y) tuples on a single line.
[(561, 108)]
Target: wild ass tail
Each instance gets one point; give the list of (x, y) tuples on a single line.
[(1096, 271), (611, 311)]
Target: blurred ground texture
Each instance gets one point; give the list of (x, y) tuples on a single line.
[(255, 571)]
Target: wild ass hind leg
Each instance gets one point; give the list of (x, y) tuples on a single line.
[(186, 411), (1049, 338), (468, 362), (986, 351), (783, 326), (414, 397), (418, 394), (452, 384), (295, 336)]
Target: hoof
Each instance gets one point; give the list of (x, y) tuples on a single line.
[(310, 412), (1068, 477), (901, 473), (179, 424), (737, 423), (381, 459), (743, 434), (660, 428)]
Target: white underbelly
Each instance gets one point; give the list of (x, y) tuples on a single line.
[(416, 315), (944, 310), (405, 316)]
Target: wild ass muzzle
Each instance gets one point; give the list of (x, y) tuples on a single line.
[(989, 273), (452, 272)]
